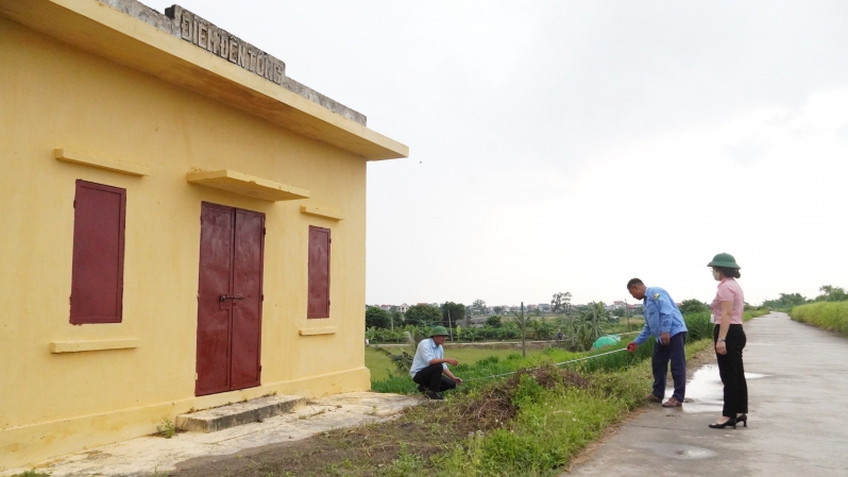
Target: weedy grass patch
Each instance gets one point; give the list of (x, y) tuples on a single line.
[(538, 420), (530, 422), (382, 367), (830, 315)]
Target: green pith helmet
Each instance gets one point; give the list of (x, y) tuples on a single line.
[(725, 260), (438, 331)]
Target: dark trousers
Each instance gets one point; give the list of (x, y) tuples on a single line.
[(432, 378), (675, 352), (732, 371)]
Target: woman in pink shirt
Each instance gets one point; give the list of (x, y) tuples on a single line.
[(729, 339)]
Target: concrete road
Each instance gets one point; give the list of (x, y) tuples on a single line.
[(798, 419)]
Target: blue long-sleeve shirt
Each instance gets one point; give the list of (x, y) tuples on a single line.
[(661, 315)]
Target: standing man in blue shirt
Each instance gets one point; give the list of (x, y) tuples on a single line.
[(430, 367), (665, 323)]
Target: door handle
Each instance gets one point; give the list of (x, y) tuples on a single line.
[(224, 298)]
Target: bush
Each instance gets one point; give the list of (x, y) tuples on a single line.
[(493, 321), (693, 306), (828, 315), (699, 326), (423, 315), (376, 317)]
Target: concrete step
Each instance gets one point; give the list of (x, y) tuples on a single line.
[(231, 415)]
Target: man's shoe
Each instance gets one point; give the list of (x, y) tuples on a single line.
[(421, 388), (652, 398), (672, 402), (433, 395)]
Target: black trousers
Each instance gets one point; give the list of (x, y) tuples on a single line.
[(732, 371), (433, 379)]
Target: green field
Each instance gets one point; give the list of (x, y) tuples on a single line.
[(380, 364)]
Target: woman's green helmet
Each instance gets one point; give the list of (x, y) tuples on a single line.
[(724, 260)]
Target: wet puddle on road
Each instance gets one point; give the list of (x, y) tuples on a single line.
[(676, 451), (704, 392)]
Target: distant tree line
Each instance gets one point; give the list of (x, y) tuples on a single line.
[(787, 301), (449, 314), (577, 325)]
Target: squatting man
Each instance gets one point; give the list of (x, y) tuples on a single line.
[(430, 367)]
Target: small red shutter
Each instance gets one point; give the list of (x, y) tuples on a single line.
[(97, 276), (319, 273)]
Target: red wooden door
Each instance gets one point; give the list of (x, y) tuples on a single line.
[(229, 309)]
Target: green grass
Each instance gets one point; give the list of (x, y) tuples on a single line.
[(830, 315), (551, 426), (478, 365), (491, 364), (382, 367)]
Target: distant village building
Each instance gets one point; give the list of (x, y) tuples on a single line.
[(183, 225)]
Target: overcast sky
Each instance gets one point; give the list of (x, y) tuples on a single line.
[(565, 146)]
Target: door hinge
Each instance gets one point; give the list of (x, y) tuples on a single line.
[(196, 376), (263, 231), (75, 204), (262, 297)]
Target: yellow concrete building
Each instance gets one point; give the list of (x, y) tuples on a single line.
[(183, 225)]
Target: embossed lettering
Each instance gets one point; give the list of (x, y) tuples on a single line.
[(234, 51), (214, 40), (243, 57), (224, 50), (252, 66), (185, 28), (219, 42), (202, 35)]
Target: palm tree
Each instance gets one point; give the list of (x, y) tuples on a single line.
[(594, 319)]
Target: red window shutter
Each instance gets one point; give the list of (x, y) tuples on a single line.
[(318, 305), (97, 277)]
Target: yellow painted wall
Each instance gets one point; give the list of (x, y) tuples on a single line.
[(56, 96)]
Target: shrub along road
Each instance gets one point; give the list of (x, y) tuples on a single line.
[(798, 424)]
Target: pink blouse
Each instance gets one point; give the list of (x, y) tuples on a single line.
[(729, 290)]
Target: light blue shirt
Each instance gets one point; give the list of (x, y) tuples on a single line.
[(661, 315), (426, 352)]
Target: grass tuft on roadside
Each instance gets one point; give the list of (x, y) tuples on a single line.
[(830, 315)]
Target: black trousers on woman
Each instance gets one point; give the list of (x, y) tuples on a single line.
[(732, 371)]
